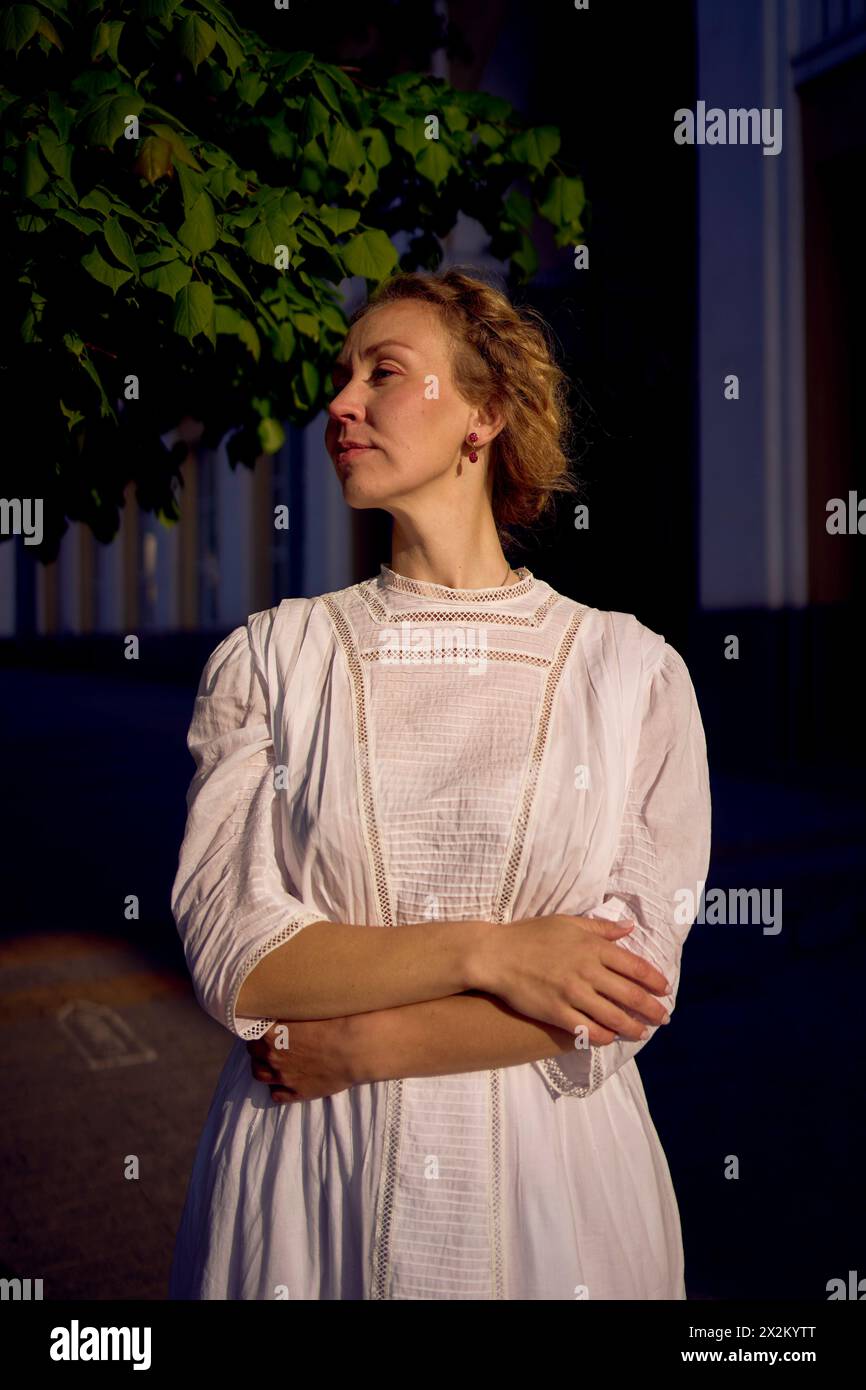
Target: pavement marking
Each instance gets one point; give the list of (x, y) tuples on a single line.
[(102, 1037)]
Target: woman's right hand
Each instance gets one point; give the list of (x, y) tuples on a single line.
[(570, 971)]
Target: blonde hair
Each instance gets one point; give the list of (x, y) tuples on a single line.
[(502, 359)]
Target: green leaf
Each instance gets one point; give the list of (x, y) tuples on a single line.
[(564, 202), (121, 210), (314, 119), (332, 317), (274, 228), (32, 222), (435, 163), (307, 324), (18, 26), (106, 37), (159, 10), (154, 159), (526, 256), (119, 244), (536, 146), (250, 88), (73, 417), (345, 151), (168, 279), (97, 201), (195, 39), (272, 436), (310, 378), (378, 149), (518, 209), (234, 54), (106, 274), (191, 186), (34, 175), (56, 152), (105, 407), (219, 12), (47, 30), (83, 224), (295, 65), (228, 320), (370, 254), (60, 115), (338, 220), (283, 343), (228, 273), (179, 148), (104, 119), (96, 82), (326, 88), (455, 118), (199, 230), (490, 136), (222, 183), (194, 312)]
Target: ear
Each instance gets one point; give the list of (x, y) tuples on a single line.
[(488, 422)]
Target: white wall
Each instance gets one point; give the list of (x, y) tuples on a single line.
[(752, 451)]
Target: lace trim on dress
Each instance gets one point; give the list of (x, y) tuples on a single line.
[(560, 1082), (367, 591), (260, 1026), (550, 689), (389, 579), (443, 658)]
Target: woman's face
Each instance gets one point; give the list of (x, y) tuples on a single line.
[(397, 399)]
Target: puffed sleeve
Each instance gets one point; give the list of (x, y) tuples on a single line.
[(663, 849), (231, 900)]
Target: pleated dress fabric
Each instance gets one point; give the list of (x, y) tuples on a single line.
[(400, 751)]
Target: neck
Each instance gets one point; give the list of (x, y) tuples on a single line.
[(453, 564)]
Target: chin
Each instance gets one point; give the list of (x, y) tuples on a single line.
[(355, 496)]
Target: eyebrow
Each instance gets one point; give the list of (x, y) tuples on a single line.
[(374, 348)]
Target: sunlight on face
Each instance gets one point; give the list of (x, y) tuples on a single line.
[(395, 396)]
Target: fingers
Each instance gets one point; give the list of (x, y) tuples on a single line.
[(282, 1094), (613, 931), (628, 995), (589, 1031), (625, 962), (609, 1016)]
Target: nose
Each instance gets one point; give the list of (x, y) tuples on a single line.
[(346, 405)]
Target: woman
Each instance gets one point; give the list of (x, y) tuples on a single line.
[(451, 1110)]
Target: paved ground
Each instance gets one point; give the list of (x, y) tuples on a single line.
[(107, 1055)]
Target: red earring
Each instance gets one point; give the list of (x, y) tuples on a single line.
[(473, 456)]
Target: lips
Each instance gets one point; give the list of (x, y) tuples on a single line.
[(347, 452)]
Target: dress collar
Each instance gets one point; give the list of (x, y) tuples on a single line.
[(524, 584)]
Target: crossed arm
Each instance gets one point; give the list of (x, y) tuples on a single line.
[(465, 1032), (439, 1037)]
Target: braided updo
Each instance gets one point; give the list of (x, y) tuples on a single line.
[(501, 359)]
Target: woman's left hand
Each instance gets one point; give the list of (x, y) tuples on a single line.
[(310, 1059)]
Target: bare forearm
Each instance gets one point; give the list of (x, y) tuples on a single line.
[(333, 969), (441, 1037)]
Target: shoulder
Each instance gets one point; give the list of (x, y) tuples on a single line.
[(630, 665), (622, 643)]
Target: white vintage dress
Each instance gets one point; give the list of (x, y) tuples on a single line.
[(442, 754)]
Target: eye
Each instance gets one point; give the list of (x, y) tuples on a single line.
[(386, 370)]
